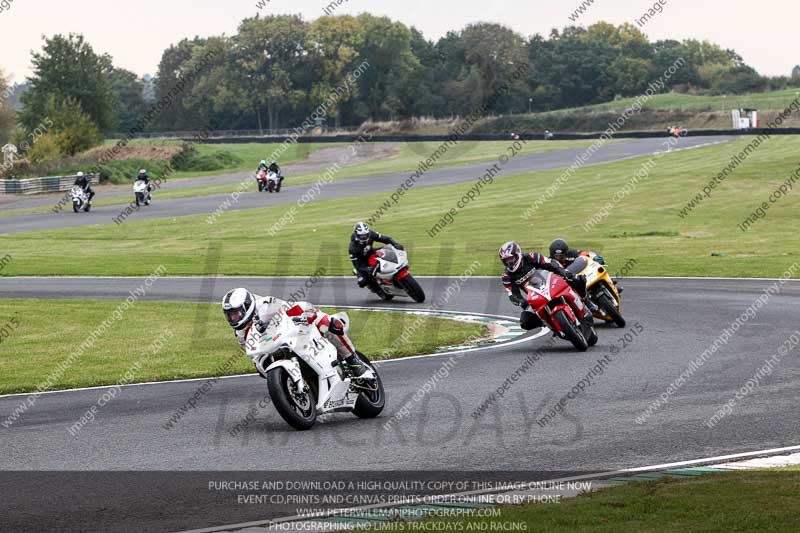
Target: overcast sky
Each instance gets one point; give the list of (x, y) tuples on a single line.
[(135, 33)]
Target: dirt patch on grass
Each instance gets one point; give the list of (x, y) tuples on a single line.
[(151, 152)]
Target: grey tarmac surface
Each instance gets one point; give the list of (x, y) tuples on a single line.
[(343, 188), (678, 319)]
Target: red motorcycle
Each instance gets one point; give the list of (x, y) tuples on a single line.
[(261, 178), (560, 308)]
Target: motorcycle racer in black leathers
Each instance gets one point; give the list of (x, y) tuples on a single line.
[(518, 265), (361, 248)]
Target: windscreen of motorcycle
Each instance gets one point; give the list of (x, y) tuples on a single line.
[(387, 253)]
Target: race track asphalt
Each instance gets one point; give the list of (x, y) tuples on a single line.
[(342, 188), (676, 320)]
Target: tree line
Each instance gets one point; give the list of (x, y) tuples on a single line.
[(276, 70)]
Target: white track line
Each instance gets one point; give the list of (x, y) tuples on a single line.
[(451, 497), (379, 363)]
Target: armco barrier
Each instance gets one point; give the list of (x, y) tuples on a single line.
[(489, 137), (40, 185)]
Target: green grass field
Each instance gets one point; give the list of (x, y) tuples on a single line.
[(686, 102), (644, 226), (197, 342), (737, 501)]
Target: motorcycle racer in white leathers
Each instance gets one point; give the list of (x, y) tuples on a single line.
[(244, 310)]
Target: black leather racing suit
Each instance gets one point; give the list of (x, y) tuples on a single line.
[(85, 183), (360, 253), (536, 261)]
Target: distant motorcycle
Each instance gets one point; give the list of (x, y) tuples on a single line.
[(80, 200), (601, 289), (560, 308), (142, 191), (390, 270), (305, 377), (273, 182), (261, 178)]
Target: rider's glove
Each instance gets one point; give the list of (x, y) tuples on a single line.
[(399, 247), (599, 259), (260, 326)]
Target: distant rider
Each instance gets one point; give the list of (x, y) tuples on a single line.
[(85, 183), (145, 178), (361, 249), (262, 166), (244, 310), (274, 167), (518, 265)]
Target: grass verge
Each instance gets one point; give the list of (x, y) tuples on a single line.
[(738, 501), (196, 343)]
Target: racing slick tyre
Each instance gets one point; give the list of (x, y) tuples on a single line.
[(260, 186), (88, 207), (299, 411), (74, 207), (607, 305), (371, 401), (138, 199), (413, 289), (572, 333)]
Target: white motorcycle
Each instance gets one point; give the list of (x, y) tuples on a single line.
[(390, 270), (273, 182), (142, 192), (304, 375), (80, 200)]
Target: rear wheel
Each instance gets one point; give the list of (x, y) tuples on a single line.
[(372, 399), (88, 207), (610, 309), (571, 332), (413, 289), (299, 410)]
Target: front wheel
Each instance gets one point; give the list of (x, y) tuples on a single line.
[(299, 410), (138, 199), (610, 309), (572, 333), (413, 289), (75, 207), (260, 186), (372, 399)]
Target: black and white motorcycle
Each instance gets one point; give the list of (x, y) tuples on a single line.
[(305, 376), (141, 189), (80, 200), (390, 270)]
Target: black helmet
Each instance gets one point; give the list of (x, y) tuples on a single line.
[(362, 232), (558, 249)]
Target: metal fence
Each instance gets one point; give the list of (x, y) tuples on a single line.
[(41, 185)]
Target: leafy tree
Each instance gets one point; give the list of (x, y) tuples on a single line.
[(334, 44), (68, 68), (269, 55), (7, 115), (171, 69), (73, 128), (129, 98)]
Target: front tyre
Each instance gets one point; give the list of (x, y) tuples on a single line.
[(571, 332), (138, 199), (610, 309), (413, 289), (372, 399), (75, 207), (298, 410), (260, 186)]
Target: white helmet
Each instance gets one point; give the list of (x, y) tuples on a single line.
[(263, 161), (239, 306), (362, 232), (80, 174)]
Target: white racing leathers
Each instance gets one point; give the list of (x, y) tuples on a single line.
[(335, 328)]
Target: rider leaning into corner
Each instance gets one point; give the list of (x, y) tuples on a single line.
[(244, 310), (85, 183), (142, 176), (518, 266), (361, 249), (561, 252)]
